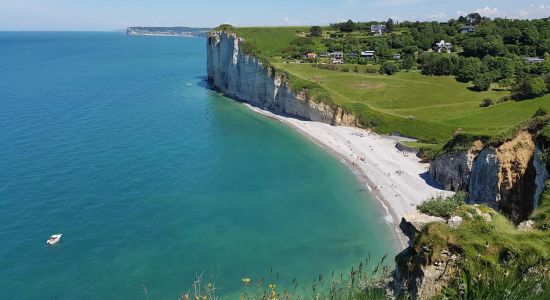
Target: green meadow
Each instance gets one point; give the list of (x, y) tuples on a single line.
[(429, 108)]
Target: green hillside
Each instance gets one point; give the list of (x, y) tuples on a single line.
[(430, 108)]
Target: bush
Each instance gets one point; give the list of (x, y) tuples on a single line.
[(541, 112), (388, 68), (505, 98), (482, 82), (486, 102), (371, 69), (442, 207), (315, 31)]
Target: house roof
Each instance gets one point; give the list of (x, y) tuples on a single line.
[(538, 59)]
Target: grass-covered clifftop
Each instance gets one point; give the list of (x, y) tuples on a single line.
[(429, 108), (497, 259)]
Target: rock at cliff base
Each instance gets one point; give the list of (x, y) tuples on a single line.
[(414, 222), (526, 225), (454, 222)]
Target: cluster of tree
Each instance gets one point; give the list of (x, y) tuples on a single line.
[(350, 26), (482, 72), (531, 86), (494, 52)]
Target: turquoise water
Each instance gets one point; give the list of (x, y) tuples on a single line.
[(115, 142)]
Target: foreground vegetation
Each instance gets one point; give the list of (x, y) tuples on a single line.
[(499, 260)]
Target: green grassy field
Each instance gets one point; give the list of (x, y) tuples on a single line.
[(430, 108), (417, 105), (270, 41)]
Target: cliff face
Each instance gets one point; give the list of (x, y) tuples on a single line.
[(509, 177), (452, 170), (245, 78)]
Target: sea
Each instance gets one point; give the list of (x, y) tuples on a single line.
[(158, 182)]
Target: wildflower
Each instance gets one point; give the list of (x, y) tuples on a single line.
[(538, 289), (246, 280), (272, 286)]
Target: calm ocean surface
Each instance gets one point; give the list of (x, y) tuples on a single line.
[(115, 142)]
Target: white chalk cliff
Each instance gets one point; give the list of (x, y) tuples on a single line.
[(245, 78)]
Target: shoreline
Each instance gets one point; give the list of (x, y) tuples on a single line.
[(396, 179)]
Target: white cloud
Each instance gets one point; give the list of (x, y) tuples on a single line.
[(532, 11), (490, 12), (436, 16), (291, 22), (535, 11)]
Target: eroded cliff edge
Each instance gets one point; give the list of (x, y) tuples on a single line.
[(245, 78), (508, 175)]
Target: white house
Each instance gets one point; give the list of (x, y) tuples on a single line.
[(443, 46), (337, 55), (378, 29), (367, 54), (467, 29), (533, 60)]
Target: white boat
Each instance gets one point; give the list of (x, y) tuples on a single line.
[(54, 239)]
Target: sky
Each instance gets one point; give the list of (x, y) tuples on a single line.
[(119, 14)]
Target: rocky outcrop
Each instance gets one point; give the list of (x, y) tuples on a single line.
[(421, 278), (452, 170), (509, 177), (244, 77), (484, 177), (413, 222), (417, 273)]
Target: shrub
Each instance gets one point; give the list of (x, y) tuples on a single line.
[(315, 31), (541, 112), (482, 82), (442, 207), (486, 102), (371, 69), (505, 98), (388, 68)]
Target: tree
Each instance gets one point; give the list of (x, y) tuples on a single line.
[(348, 26), (468, 69), (529, 87), (438, 64), (390, 26), (474, 18), (316, 31), (482, 82), (408, 62), (388, 68)]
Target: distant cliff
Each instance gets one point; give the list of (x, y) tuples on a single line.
[(245, 78), (171, 31)]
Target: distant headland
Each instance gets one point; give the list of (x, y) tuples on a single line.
[(168, 31)]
